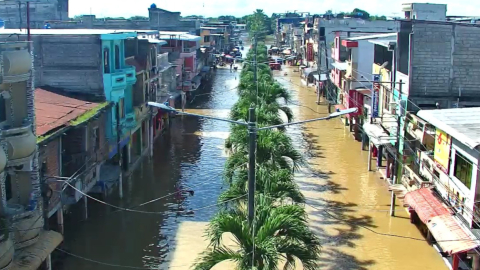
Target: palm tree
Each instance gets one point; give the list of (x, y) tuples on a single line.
[(270, 181), (273, 147), (266, 114), (279, 233)]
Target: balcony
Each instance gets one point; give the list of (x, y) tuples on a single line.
[(16, 62), (117, 80), (129, 121), (130, 74), (21, 145), (187, 52)]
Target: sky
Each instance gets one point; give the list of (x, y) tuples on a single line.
[(214, 8)]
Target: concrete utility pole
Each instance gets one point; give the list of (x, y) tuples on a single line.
[(252, 135), (255, 75), (397, 147)]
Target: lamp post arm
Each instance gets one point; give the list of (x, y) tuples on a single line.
[(295, 123), (213, 118)]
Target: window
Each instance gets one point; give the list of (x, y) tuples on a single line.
[(386, 99), (206, 39), (8, 187), (117, 57), (153, 57), (96, 139), (3, 109), (463, 169), (106, 60), (121, 108)]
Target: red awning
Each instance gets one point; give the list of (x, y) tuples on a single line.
[(426, 204), (451, 237)]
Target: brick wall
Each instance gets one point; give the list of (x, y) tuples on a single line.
[(49, 160), (446, 59)]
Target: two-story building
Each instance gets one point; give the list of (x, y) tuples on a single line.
[(442, 174), (184, 52), (90, 63), (22, 238), (72, 147)]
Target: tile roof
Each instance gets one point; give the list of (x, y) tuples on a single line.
[(53, 110)]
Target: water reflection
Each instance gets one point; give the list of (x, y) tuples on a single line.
[(190, 156)]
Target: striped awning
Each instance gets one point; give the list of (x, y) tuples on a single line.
[(426, 204), (450, 235)]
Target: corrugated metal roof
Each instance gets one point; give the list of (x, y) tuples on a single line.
[(383, 42), (53, 110), (462, 124), (367, 37), (178, 36)]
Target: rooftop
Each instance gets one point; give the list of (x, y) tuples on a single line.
[(72, 31), (383, 42), (376, 36), (185, 36), (462, 124), (54, 111)]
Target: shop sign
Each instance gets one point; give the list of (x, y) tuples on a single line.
[(441, 155), (310, 52), (375, 95)]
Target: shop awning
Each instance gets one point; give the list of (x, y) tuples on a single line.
[(32, 257), (377, 135), (308, 71), (450, 235), (426, 204)]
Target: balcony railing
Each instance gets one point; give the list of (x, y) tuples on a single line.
[(189, 50)]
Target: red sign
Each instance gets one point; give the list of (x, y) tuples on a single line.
[(310, 52)]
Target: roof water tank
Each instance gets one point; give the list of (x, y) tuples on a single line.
[(16, 62), (153, 6)]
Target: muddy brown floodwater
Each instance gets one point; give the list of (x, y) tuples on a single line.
[(345, 201)]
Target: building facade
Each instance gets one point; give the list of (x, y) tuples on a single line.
[(21, 204)]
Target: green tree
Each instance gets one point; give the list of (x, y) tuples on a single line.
[(280, 233)]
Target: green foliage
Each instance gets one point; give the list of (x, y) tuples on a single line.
[(280, 230), (139, 18)]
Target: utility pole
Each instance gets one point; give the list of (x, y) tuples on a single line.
[(397, 147), (255, 75), (327, 84), (319, 66), (29, 37), (184, 95), (252, 134), (119, 152)]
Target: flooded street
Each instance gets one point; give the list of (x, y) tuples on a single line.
[(348, 206)]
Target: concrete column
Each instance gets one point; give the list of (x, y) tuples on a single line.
[(379, 156), (60, 220), (150, 136), (364, 140), (48, 262), (475, 261), (129, 151), (85, 205)]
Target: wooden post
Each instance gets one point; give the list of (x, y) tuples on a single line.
[(456, 261), (369, 157)]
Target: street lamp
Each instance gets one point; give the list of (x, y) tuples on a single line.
[(252, 132)]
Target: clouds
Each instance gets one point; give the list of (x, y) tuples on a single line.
[(211, 8)]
